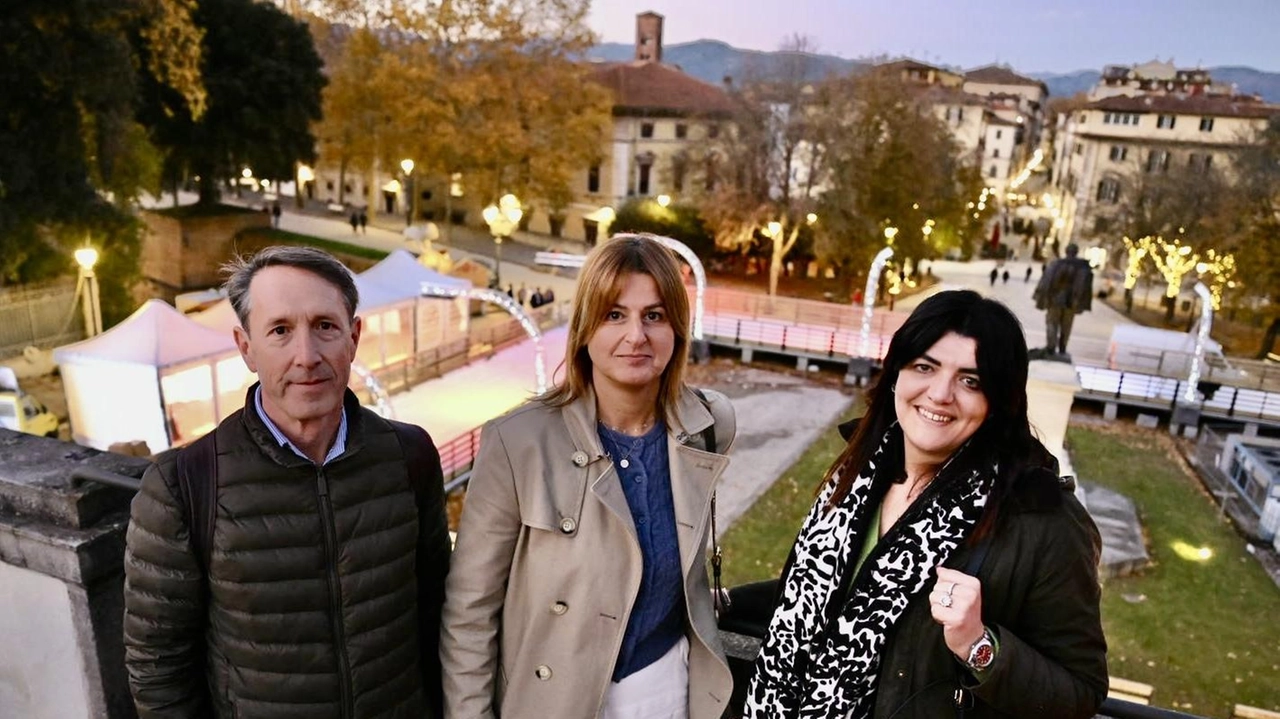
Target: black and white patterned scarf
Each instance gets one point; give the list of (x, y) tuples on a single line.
[(810, 666)]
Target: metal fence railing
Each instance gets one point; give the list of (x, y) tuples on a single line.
[(43, 315), (1144, 389)]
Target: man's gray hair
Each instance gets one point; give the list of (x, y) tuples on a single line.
[(241, 270)]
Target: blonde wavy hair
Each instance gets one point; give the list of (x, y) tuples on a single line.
[(599, 286)]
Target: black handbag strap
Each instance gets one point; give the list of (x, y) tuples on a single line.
[(720, 598)]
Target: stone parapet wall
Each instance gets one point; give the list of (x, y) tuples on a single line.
[(181, 253), (62, 580)]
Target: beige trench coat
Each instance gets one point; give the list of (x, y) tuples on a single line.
[(547, 566)]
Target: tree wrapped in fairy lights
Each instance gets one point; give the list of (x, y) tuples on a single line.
[(1219, 268), (1173, 260), (1135, 252)]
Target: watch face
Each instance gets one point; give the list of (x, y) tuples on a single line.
[(982, 655)]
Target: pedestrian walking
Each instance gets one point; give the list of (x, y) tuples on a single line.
[(364, 222), (1027, 279), (355, 222), (275, 214), (292, 561), (1064, 291), (995, 275), (1004, 277), (521, 295), (536, 300)]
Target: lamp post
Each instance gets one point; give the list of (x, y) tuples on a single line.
[(407, 166), (87, 257), (502, 219)]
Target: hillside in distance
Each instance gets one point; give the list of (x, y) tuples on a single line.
[(712, 61)]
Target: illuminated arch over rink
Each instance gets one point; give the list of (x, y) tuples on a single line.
[(381, 400), (513, 308), (560, 259)]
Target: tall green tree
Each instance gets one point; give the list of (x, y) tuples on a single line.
[(763, 172), (74, 154), (263, 81), (892, 164)]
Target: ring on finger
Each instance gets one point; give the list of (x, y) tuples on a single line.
[(945, 601)]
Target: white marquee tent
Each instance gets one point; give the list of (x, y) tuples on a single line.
[(398, 321), (158, 377)]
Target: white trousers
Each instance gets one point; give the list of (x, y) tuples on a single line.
[(659, 691)]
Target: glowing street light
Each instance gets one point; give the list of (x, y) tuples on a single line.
[(87, 257), (664, 200), (406, 166), (889, 234), (502, 219)]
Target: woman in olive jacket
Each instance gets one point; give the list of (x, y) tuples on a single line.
[(578, 585), (942, 571)]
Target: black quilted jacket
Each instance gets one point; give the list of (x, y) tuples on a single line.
[(324, 590)]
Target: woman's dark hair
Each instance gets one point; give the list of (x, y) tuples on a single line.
[(1005, 437)]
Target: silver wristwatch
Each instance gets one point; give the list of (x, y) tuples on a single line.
[(982, 652)]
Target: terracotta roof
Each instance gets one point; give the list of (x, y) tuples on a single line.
[(907, 63), (1209, 105), (939, 94), (1000, 75), (656, 89), (994, 119)]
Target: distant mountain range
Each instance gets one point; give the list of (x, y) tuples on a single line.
[(712, 61)]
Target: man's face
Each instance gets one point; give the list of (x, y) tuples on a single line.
[(301, 343)]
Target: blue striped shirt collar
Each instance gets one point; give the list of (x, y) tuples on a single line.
[(339, 443)]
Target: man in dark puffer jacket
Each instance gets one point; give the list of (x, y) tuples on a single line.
[(329, 550)]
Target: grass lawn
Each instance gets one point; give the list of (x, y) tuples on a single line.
[(271, 236), (1204, 633), (756, 546)]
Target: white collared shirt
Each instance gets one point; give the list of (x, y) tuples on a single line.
[(339, 443)]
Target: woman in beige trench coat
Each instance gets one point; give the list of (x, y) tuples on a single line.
[(570, 595)]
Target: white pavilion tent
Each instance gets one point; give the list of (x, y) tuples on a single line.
[(158, 377), (398, 321)]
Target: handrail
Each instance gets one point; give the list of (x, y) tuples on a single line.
[(1120, 709), (123, 481)]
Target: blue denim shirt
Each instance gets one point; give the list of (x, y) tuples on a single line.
[(657, 617)]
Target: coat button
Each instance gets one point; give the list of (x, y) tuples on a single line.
[(543, 672), (682, 438), (568, 526), (559, 608), (580, 458)]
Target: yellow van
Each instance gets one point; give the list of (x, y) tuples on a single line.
[(20, 411)]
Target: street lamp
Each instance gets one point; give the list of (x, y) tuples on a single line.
[(87, 257), (502, 219), (407, 166)]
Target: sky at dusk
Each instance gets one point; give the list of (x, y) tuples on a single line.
[(1030, 35)]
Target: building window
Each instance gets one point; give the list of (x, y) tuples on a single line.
[(682, 131), (959, 114), (328, 185), (1158, 160), (1200, 162), (1079, 149), (643, 183), (1109, 190), (995, 152), (646, 129), (713, 131), (1206, 124), (590, 231), (679, 166), (999, 134), (994, 172), (593, 179), (1119, 153), (1166, 122)]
